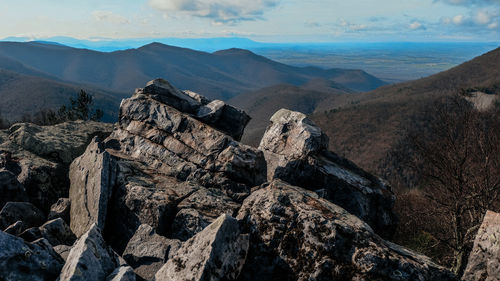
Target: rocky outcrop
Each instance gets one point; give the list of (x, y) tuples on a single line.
[(36, 159), (296, 152), (164, 188), (216, 253), (164, 151), (296, 235), (90, 258), (21, 261), (484, 260)]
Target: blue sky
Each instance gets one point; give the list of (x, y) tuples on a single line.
[(261, 20)]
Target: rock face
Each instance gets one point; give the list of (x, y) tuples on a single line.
[(34, 160), (21, 261), (484, 260), (216, 253), (296, 152), (296, 235), (162, 153), (56, 231), (92, 177), (90, 258)]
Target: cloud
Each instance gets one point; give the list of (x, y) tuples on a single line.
[(219, 11), (416, 25), (482, 17), (352, 27), (471, 2), (110, 17)]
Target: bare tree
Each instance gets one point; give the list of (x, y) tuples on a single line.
[(452, 155)]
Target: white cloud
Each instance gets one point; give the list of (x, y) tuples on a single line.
[(493, 25), (416, 25), (219, 11), (109, 17), (482, 17), (471, 2), (458, 19)]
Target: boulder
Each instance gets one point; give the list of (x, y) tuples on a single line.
[(56, 231), (90, 258), (484, 260), (147, 251), (296, 152), (21, 261), (122, 273), (16, 228), (163, 152), (296, 235), (10, 188), (223, 117), (92, 177), (60, 209), (21, 211), (39, 157), (216, 253)]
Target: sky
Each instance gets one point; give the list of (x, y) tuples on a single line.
[(260, 20)]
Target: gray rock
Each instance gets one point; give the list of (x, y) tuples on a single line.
[(21, 261), (216, 253), (90, 258), (293, 135), (21, 211), (92, 177), (57, 232), (147, 251), (10, 188), (217, 114), (63, 251), (16, 228), (296, 152), (199, 210), (295, 235), (122, 273), (61, 209), (484, 260), (39, 156)]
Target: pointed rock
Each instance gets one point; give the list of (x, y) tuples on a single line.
[(90, 258), (21, 261), (216, 253), (92, 177), (484, 260)]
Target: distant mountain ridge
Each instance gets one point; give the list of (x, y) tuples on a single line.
[(363, 126), (222, 74)]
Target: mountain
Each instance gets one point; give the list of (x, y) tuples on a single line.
[(222, 74), (363, 126), (263, 103), (25, 94)]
